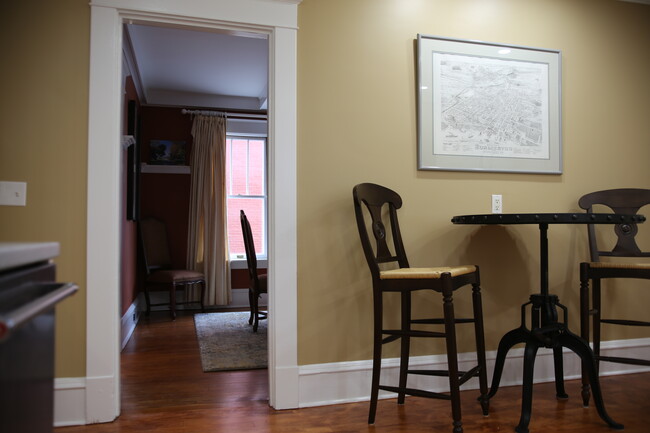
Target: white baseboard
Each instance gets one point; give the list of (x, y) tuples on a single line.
[(239, 300), (345, 382), (69, 401), (129, 322)]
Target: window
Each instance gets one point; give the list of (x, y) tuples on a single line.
[(246, 189)]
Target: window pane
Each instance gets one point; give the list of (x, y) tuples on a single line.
[(256, 167), (254, 209), (239, 166), (246, 176)]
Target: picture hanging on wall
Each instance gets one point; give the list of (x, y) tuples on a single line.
[(488, 107), (133, 162), (166, 152)]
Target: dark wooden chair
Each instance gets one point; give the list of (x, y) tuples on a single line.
[(257, 282), (157, 264), (620, 201), (382, 204)]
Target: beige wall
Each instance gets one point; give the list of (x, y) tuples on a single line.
[(43, 136), (357, 123)]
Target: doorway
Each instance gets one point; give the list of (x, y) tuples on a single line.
[(170, 74), (279, 22)]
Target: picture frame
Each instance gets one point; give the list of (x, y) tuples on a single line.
[(166, 152), (133, 163), (488, 107)]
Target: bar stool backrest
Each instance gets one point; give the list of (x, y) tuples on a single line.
[(382, 204), (620, 201)]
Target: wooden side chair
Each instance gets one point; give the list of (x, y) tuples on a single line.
[(382, 204), (257, 282), (159, 272), (620, 201)]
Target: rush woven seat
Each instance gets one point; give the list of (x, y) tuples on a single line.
[(620, 201), (382, 203)]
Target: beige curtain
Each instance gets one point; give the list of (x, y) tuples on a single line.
[(207, 235)]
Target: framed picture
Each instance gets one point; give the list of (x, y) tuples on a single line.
[(166, 152), (488, 107), (133, 163)]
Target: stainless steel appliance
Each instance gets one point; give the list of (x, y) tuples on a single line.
[(28, 294)]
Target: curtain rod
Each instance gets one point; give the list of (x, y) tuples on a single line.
[(225, 114)]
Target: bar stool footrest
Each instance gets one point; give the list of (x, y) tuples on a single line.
[(625, 322), (464, 376), (415, 392), (632, 361)]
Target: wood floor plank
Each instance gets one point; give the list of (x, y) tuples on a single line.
[(164, 390)]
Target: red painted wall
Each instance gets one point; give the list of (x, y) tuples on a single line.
[(167, 196)]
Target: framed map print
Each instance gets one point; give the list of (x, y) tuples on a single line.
[(488, 107)]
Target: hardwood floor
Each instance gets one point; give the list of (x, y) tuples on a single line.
[(165, 391)]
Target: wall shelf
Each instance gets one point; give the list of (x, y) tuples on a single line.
[(165, 169)]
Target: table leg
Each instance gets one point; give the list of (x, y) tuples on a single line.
[(516, 336), (527, 390), (560, 393), (555, 335), (582, 349)]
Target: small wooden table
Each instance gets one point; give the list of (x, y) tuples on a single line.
[(546, 330)]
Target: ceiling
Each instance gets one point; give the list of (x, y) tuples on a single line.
[(174, 66), (189, 68)]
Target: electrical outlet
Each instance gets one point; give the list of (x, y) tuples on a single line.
[(497, 203)]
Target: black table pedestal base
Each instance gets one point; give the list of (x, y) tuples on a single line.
[(553, 335)]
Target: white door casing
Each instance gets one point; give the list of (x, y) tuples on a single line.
[(277, 19)]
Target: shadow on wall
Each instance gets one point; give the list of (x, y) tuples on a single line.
[(493, 249)]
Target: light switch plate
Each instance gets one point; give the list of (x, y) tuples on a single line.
[(13, 193)]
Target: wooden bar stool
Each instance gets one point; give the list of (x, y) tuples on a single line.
[(405, 280), (621, 201)]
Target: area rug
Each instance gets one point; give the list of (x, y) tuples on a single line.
[(227, 342)]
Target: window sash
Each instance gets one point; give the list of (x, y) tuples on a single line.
[(235, 239)]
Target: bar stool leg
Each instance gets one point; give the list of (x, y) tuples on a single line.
[(452, 353), (376, 356), (405, 345), (477, 305), (584, 328)]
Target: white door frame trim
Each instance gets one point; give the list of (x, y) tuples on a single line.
[(279, 20)]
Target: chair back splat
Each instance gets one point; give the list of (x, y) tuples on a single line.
[(382, 247), (620, 201), (376, 198)]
